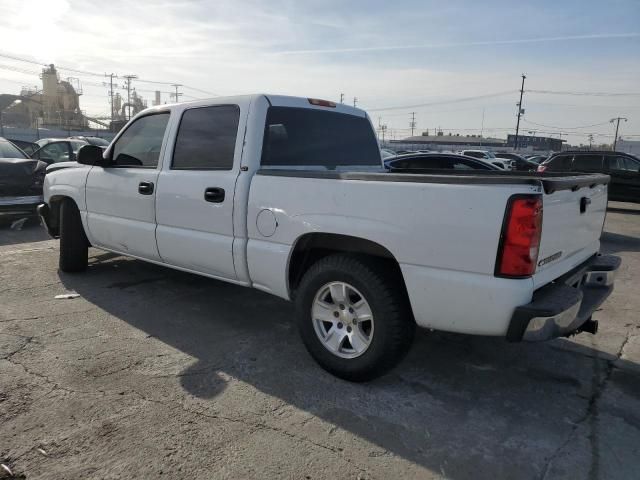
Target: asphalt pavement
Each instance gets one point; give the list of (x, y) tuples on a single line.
[(154, 373)]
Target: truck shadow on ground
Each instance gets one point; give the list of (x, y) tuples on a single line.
[(615, 243), (461, 406), (629, 211)]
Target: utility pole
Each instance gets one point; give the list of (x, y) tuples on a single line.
[(615, 139), (177, 95), (515, 145), (111, 76), (482, 127), (355, 101), (382, 128), (128, 79), (342, 98), (590, 140), (412, 124)]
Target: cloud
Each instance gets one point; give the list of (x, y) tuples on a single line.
[(381, 48)]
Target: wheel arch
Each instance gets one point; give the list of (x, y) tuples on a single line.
[(55, 203), (311, 247)]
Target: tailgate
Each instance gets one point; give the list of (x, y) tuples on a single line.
[(572, 222)]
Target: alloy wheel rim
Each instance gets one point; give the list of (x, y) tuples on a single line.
[(342, 319)]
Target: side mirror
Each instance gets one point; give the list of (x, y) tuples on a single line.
[(91, 155)]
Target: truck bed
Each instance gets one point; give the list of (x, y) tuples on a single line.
[(550, 182)]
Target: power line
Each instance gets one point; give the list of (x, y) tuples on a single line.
[(588, 94), (443, 102), (564, 128), (96, 74)]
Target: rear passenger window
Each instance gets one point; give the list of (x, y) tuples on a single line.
[(305, 137), (587, 162), (207, 138)]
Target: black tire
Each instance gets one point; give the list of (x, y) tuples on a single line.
[(74, 246), (394, 324)]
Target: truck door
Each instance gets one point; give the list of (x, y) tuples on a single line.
[(121, 198), (196, 189)]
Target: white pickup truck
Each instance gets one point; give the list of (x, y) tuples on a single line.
[(288, 195)]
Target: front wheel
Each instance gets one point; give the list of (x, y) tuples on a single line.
[(352, 318), (74, 246)]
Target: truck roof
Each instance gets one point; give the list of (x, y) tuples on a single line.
[(274, 100)]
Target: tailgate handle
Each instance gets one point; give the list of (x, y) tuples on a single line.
[(584, 203)]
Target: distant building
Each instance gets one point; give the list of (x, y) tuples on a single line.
[(57, 104), (458, 140), (536, 143), (629, 146)]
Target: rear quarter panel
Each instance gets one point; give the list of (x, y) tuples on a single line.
[(444, 236)]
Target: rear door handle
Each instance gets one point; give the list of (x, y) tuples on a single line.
[(214, 195), (145, 188)]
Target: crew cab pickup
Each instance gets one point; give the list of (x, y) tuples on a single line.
[(289, 196)]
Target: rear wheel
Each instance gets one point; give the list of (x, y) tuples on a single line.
[(353, 319), (74, 246)]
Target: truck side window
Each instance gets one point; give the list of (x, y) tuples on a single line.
[(207, 138), (305, 137), (139, 145)]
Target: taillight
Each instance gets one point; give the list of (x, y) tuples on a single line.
[(520, 239), (542, 168)]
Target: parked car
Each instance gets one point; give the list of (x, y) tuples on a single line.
[(518, 162), (99, 141), (623, 168), (59, 150), (489, 157), (287, 195), (538, 159), (26, 147), (386, 153), (435, 161), (21, 180)]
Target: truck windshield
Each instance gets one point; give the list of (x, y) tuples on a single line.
[(310, 138)]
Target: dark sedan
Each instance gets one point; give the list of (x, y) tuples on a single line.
[(519, 162), (21, 180), (414, 163)]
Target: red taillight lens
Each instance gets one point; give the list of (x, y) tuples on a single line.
[(520, 240), (541, 168)]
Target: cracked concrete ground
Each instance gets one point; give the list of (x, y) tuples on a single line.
[(154, 373)]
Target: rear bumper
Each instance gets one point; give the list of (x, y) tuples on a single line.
[(563, 307)]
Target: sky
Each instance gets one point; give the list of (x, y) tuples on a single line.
[(456, 64)]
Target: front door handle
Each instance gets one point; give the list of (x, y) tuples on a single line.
[(145, 188), (214, 195)]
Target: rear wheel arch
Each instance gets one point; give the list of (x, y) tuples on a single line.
[(312, 247)]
